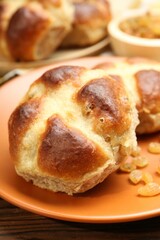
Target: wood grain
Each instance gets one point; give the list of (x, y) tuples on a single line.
[(18, 224)]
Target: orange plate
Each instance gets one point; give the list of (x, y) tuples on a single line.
[(114, 200)]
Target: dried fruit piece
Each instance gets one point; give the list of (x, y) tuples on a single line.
[(140, 161), (136, 152), (154, 147), (149, 190), (135, 176), (127, 167), (147, 177)]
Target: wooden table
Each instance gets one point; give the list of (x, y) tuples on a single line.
[(18, 224)]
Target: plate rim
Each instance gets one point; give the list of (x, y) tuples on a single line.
[(56, 57), (78, 218)]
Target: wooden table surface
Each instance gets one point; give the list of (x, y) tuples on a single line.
[(18, 224)]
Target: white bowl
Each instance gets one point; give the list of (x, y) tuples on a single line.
[(124, 44)]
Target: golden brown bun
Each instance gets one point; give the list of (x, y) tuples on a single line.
[(90, 23), (35, 29), (72, 129), (142, 76)]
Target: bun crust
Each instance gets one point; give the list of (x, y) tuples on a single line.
[(142, 76), (72, 129)]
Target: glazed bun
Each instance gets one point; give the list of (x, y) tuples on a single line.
[(72, 129), (34, 28), (142, 77), (90, 23)]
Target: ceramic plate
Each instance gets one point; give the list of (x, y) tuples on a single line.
[(57, 56), (114, 200)]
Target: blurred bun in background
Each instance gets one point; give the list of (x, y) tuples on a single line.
[(90, 22), (33, 29)]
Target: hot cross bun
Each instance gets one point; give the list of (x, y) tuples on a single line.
[(142, 76), (72, 129)]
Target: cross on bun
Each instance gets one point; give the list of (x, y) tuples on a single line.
[(72, 129), (142, 77)]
